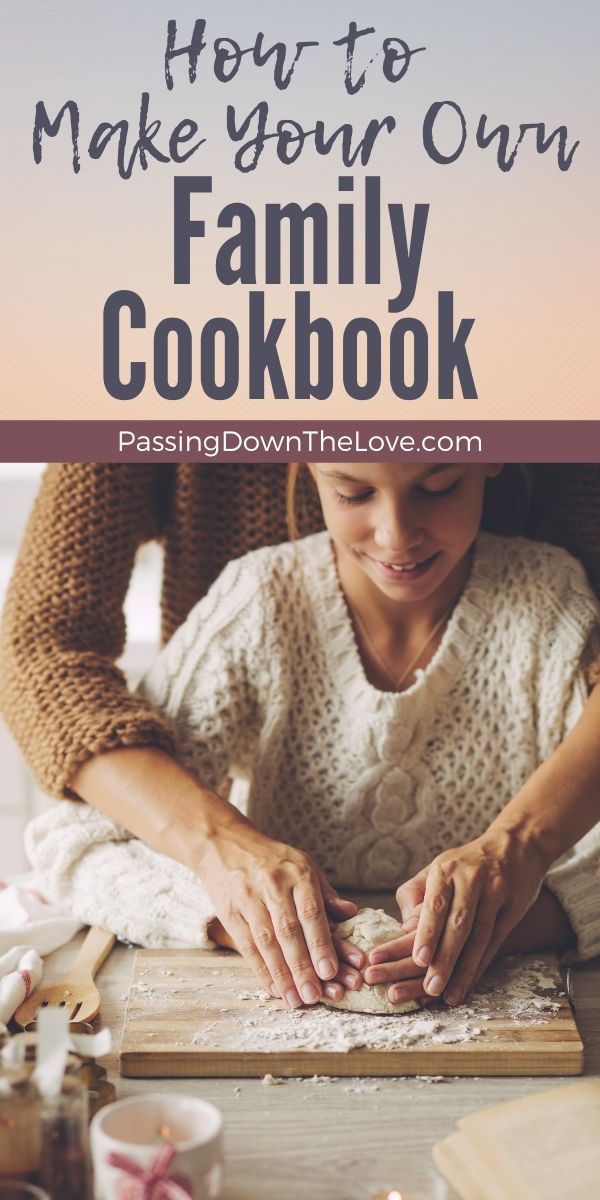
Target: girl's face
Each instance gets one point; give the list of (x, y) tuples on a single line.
[(407, 528)]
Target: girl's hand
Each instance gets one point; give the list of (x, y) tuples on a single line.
[(351, 969), (393, 963), (471, 898), (274, 907)]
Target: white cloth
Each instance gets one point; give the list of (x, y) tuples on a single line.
[(30, 926), (265, 676)]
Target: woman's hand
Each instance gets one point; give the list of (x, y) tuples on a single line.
[(471, 898), (275, 907), (272, 903), (351, 961)]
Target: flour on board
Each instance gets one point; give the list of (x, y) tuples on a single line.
[(266, 1026)]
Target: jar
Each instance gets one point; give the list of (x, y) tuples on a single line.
[(65, 1167), (19, 1127)]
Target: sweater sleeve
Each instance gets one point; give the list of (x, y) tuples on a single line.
[(96, 870), (63, 624)]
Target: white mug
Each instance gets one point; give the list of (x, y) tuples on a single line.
[(171, 1143)]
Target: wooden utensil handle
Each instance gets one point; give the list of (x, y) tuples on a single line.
[(96, 946)]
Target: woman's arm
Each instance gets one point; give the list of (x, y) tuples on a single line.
[(70, 710), (269, 900), (214, 683), (473, 897), (63, 623)]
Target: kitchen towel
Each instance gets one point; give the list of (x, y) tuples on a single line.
[(30, 927)]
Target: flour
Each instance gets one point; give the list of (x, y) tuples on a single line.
[(527, 996), (260, 995)]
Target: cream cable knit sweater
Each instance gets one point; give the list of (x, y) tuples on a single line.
[(265, 676)]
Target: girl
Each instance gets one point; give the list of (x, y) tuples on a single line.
[(390, 684)]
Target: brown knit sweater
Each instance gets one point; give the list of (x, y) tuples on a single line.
[(63, 624)]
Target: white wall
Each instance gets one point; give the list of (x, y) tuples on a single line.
[(19, 798)]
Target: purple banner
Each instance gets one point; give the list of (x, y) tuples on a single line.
[(297, 441)]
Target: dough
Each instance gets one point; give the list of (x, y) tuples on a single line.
[(369, 928)]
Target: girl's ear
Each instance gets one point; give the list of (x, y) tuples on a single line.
[(493, 469)]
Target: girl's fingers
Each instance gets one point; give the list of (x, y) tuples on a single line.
[(349, 978), (333, 991), (349, 953), (391, 972), (478, 943), (401, 947), (412, 989)]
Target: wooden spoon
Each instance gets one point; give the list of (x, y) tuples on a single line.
[(76, 992)]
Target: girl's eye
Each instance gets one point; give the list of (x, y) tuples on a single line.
[(360, 499), (447, 491)]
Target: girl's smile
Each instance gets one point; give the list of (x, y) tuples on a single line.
[(402, 534), (403, 572)]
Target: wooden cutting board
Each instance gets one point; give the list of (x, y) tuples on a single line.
[(195, 1013)]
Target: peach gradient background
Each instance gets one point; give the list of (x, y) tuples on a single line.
[(519, 250)]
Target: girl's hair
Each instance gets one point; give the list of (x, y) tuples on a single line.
[(298, 479), (505, 510)]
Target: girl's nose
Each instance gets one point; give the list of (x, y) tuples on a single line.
[(397, 531)]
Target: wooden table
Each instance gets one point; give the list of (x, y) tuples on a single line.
[(341, 1138)]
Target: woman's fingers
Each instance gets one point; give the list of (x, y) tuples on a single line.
[(460, 907), (317, 935), (335, 905), (474, 895), (283, 945), (268, 966), (507, 919), (409, 896), (481, 937), (411, 924), (277, 907), (434, 913)]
